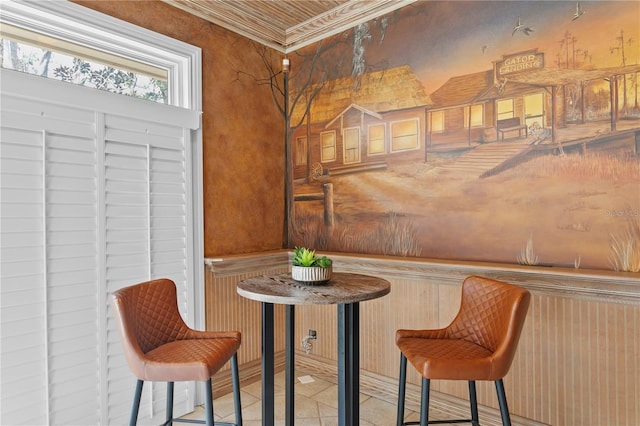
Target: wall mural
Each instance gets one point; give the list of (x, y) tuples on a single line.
[(483, 131)]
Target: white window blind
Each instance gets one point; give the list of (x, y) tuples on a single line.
[(96, 194), (146, 234)]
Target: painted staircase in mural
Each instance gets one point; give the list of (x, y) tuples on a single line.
[(486, 160)]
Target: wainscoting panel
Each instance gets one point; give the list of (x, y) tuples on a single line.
[(578, 361), (226, 310)]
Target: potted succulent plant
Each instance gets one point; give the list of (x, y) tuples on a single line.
[(309, 268)]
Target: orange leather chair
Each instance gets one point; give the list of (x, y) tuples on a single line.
[(479, 344), (159, 346)]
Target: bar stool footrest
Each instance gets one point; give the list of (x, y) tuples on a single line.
[(440, 422), (200, 422)]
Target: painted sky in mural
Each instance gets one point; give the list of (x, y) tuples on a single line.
[(442, 39)]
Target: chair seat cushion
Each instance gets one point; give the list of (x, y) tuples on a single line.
[(450, 359), (185, 360)]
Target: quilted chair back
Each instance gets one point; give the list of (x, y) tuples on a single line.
[(492, 314), (148, 317)]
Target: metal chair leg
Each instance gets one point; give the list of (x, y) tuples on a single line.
[(502, 400), (208, 403), (402, 385), (473, 400), (235, 376), (169, 421), (136, 403), (424, 402)]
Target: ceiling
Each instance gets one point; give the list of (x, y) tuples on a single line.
[(287, 25)]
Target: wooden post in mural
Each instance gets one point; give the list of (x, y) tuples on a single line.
[(554, 113), (613, 90), (327, 201), (327, 188)]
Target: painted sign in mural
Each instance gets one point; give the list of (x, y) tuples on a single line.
[(480, 131)]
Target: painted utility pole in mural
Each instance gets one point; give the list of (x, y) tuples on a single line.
[(478, 131), (277, 79)]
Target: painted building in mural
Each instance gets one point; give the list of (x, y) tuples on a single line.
[(384, 116), (488, 106), (518, 97), (364, 122)]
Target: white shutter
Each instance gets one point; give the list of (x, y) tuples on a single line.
[(146, 234), (49, 269), (95, 195), (23, 318)]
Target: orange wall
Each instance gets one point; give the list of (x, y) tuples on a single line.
[(243, 133)]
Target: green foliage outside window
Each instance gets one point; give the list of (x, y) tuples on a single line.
[(61, 66)]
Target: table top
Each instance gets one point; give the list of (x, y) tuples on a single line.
[(342, 288)]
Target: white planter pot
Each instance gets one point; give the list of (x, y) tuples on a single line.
[(311, 275)]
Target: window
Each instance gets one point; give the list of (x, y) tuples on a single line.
[(376, 139), (93, 37), (34, 53), (301, 151), (477, 116), (505, 109), (437, 122), (328, 146), (404, 135)]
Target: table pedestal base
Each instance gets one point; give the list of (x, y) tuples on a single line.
[(348, 364)]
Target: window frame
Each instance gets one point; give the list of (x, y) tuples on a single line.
[(86, 27)]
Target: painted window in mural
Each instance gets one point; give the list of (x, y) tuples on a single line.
[(376, 139), (328, 143), (301, 151), (494, 131), (404, 135), (534, 109), (477, 116), (351, 145), (437, 121), (505, 109)]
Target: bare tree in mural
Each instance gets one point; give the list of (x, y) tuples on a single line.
[(317, 69), (313, 79)]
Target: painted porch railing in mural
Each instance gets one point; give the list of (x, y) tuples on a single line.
[(327, 202), (578, 359)]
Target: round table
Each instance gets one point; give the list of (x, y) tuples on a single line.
[(346, 290)]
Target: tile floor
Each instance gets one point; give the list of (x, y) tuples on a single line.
[(316, 404)]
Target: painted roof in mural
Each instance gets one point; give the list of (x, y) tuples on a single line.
[(462, 90), (391, 89), (476, 87), (556, 77)]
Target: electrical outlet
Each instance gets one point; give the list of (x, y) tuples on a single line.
[(312, 334)]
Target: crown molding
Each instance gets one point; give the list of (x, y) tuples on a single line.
[(337, 20), (257, 22)]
